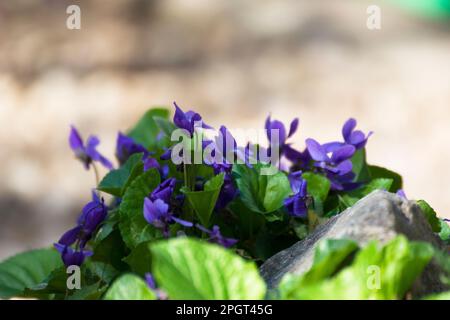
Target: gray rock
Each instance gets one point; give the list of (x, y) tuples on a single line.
[(379, 216)]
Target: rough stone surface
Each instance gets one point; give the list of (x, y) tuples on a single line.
[(379, 216)]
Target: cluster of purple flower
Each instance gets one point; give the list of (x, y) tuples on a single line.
[(92, 215), (332, 160)]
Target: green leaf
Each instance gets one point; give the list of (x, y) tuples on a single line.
[(90, 292), (445, 232), (146, 130), (380, 172), (360, 167), (203, 202), (431, 216), (116, 181), (54, 286), (109, 225), (318, 186), (261, 193), (165, 125), (438, 296), (129, 287), (140, 259), (350, 198), (133, 227), (111, 250), (26, 270), (187, 268), (376, 273)]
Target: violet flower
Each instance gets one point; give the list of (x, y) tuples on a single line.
[(157, 213), (354, 137), (297, 204), (150, 163), (334, 161), (187, 120), (71, 257), (164, 190), (87, 153), (92, 215), (215, 236), (126, 146), (285, 149)]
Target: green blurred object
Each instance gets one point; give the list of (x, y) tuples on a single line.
[(430, 8)]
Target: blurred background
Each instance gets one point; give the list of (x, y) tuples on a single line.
[(234, 62)]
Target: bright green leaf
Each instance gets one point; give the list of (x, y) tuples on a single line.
[(261, 193), (129, 287), (376, 273), (318, 185), (445, 232), (187, 268)]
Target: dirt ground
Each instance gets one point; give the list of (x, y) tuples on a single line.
[(234, 62)]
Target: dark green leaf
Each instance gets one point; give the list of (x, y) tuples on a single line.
[(350, 198), (111, 250), (379, 172), (431, 216), (133, 227), (360, 167), (140, 258)]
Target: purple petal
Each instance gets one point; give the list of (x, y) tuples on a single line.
[(332, 146), (293, 127), (267, 126), (348, 128), (295, 179), (150, 281), (343, 153), (202, 228), (59, 247), (277, 125), (316, 151), (92, 142), (150, 163), (70, 236), (153, 210), (182, 222), (344, 167), (357, 137), (228, 242), (75, 141)]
